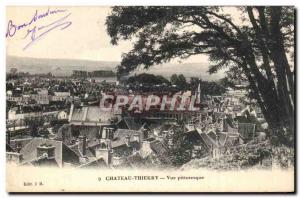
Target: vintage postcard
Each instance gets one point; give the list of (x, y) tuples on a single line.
[(150, 99)]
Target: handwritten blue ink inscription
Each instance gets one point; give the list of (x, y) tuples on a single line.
[(34, 32)]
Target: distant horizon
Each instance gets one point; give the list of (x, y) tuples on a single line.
[(92, 60), (56, 66), (58, 58), (89, 47)]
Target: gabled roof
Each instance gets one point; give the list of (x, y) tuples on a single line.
[(132, 124), (76, 149), (19, 143), (212, 135), (228, 139), (90, 131), (209, 142), (120, 134), (223, 138), (29, 151)]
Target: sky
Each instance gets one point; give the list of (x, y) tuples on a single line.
[(85, 37)]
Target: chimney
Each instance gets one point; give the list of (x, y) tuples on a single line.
[(110, 133), (19, 147), (145, 149), (82, 144), (104, 133), (107, 133), (136, 137), (145, 134), (46, 150), (105, 154), (127, 140), (71, 111)]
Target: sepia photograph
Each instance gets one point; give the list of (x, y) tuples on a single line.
[(150, 99)]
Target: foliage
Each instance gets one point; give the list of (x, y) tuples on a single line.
[(207, 87), (150, 79), (226, 82), (180, 151), (179, 81), (259, 47), (253, 155)]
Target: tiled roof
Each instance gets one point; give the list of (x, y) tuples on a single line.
[(76, 149), (158, 147), (120, 134), (135, 160), (212, 135), (246, 130), (229, 139), (91, 114), (77, 115), (161, 151), (94, 163)]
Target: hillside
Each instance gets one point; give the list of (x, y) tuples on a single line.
[(64, 67), (58, 67)]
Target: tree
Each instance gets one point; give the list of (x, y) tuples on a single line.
[(174, 79), (13, 70), (49, 74), (226, 82), (148, 79), (179, 81), (259, 48), (208, 88)]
